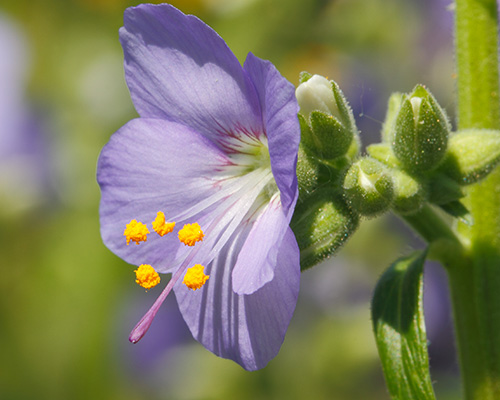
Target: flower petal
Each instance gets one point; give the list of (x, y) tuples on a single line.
[(257, 259), (149, 166), (178, 68), (279, 112), (248, 329)]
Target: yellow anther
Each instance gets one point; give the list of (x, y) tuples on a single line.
[(160, 226), (146, 276), (195, 278), (136, 231), (190, 234)]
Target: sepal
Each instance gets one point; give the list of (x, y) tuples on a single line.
[(329, 138), (457, 210), (443, 190), (393, 106), (421, 132), (308, 172)]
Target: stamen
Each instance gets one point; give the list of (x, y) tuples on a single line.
[(135, 231), (143, 325), (160, 226), (190, 234), (195, 278), (146, 276)]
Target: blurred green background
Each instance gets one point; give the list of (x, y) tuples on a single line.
[(67, 304)]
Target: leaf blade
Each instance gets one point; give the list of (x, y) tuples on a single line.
[(399, 327)]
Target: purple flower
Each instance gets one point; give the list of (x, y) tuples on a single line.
[(215, 145)]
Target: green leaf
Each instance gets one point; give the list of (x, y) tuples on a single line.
[(398, 321)]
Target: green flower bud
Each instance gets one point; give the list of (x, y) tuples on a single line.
[(409, 194), (421, 132), (369, 187), (322, 224), (325, 110), (472, 155)]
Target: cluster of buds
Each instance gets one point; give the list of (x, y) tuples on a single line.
[(418, 161)]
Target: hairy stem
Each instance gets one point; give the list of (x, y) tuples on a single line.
[(475, 283)]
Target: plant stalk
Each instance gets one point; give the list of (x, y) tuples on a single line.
[(475, 282)]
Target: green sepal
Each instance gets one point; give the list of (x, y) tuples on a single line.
[(346, 116), (368, 187), (308, 171), (304, 76), (322, 223), (329, 139), (399, 327), (409, 194), (472, 155), (353, 151), (393, 106), (458, 210), (383, 153), (443, 190), (420, 132)]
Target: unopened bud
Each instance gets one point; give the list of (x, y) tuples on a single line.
[(368, 186), (322, 223), (330, 132), (421, 132)]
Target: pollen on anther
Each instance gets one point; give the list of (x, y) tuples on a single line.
[(146, 276), (136, 232), (195, 277), (160, 226), (190, 234)]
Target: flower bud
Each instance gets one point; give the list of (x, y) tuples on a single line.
[(322, 223), (316, 94), (330, 131), (421, 132), (471, 156), (369, 187)]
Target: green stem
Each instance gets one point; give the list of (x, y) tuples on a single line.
[(476, 42), (445, 246), (475, 282)]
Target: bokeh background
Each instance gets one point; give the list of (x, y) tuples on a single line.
[(67, 304)]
